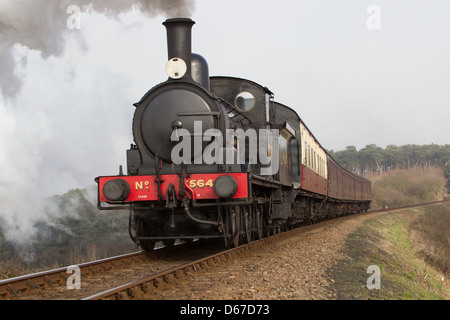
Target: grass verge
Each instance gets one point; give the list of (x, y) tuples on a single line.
[(386, 242)]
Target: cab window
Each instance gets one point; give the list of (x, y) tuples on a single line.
[(245, 101)]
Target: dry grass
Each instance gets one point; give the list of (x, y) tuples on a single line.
[(431, 237), (13, 268), (402, 187)]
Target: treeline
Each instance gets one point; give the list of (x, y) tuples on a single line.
[(374, 159)]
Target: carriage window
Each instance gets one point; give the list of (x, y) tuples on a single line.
[(245, 101)]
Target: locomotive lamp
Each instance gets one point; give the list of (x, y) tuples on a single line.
[(225, 187), (116, 190), (176, 68)]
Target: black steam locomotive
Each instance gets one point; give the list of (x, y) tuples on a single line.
[(217, 157)]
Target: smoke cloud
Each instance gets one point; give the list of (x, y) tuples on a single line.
[(58, 127), (43, 25)]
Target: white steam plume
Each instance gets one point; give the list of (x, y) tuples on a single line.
[(50, 131), (42, 25)]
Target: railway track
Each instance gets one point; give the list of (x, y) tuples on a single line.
[(25, 285), (98, 275), (151, 286), (156, 271)]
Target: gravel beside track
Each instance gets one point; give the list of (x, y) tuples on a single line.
[(292, 268)]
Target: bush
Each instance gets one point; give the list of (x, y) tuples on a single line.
[(430, 235), (407, 186)]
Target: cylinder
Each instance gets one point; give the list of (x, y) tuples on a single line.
[(179, 42)]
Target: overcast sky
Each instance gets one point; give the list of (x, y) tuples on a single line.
[(357, 72)]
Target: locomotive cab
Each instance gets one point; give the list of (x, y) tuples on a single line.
[(251, 110)]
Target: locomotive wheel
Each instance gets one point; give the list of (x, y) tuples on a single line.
[(259, 220), (235, 226), (227, 230), (168, 242), (147, 245), (143, 230), (247, 216)]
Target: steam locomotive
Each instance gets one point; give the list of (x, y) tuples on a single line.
[(218, 157)]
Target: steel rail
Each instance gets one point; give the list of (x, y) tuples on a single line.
[(148, 287), (12, 287)]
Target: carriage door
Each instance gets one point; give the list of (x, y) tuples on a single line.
[(287, 133)]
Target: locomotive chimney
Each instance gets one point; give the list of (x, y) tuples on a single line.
[(179, 43)]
